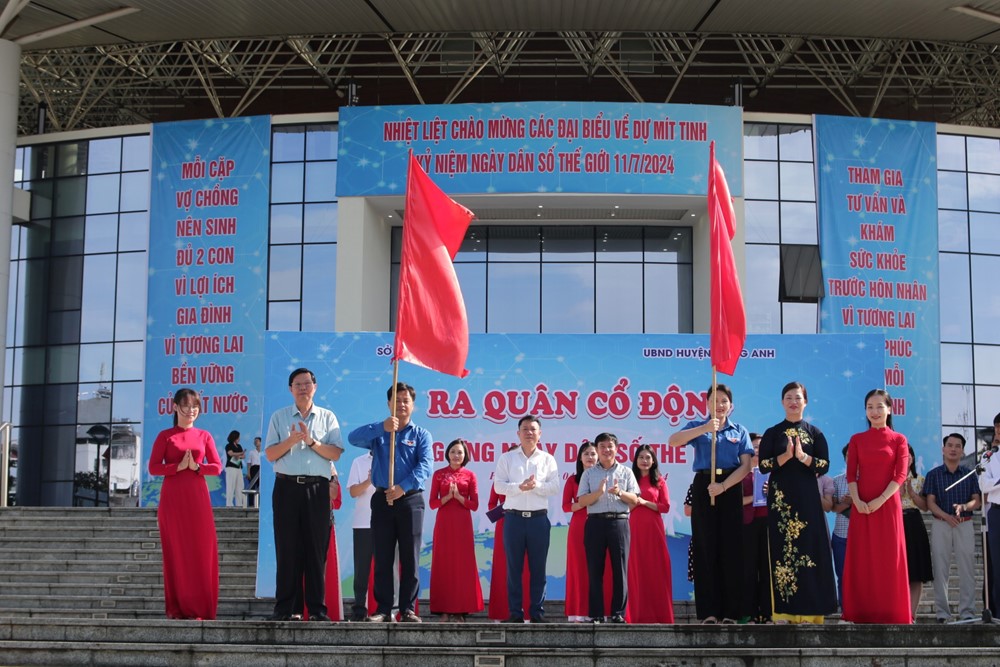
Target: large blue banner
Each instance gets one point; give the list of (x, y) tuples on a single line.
[(643, 388), (590, 147), (877, 182), (207, 279)]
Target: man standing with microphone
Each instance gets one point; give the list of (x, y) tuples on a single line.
[(989, 483)]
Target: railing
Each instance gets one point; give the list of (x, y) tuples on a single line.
[(4, 462)]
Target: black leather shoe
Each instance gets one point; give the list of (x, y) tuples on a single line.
[(279, 617), (538, 619), (597, 621), (319, 617), (409, 617), (513, 619), (617, 618)]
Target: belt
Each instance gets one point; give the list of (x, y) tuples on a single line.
[(608, 515), (961, 519), (718, 471), (382, 489), (303, 479), (525, 515)]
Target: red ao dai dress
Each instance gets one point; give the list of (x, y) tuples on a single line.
[(650, 592), (577, 579), (455, 585)]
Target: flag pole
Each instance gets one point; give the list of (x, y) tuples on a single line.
[(392, 436), (715, 432)]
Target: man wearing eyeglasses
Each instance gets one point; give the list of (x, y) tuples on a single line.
[(302, 439)]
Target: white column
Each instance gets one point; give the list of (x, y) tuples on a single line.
[(10, 78), (364, 246)]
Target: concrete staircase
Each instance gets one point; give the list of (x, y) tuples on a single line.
[(106, 563)]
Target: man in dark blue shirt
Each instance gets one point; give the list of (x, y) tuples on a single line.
[(397, 508), (952, 533)]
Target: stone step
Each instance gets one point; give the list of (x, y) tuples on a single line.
[(110, 542), (119, 532), (233, 578), (151, 553), (97, 589), (15, 605)]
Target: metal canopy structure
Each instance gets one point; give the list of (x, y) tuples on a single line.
[(99, 63)]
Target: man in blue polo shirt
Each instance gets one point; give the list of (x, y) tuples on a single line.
[(397, 508), (952, 532), (302, 439)]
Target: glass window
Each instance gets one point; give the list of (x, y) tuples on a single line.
[(987, 359), (956, 363), (987, 400), (70, 196), (71, 159), (984, 192), (133, 231), (129, 361), (567, 244), (473, 248), (799, 318), (761, 295), (101, 234), (619, 244), (320, 223), (64, 327), (951, 190), (798, 223), (984, 154), (797, 181), (951, 152), (319, 305), (63, 364), (286, 182), (321, 181), (513, 305), (956, 316), (984, 228), (135, 153), (29, 365), (619, 298), (321, 142), (514, 244), (135, 191), (98, 307), (96, 362), (956, 404), (568, 298), (65, 288), (662, 316), (288, 143), (126, 402), (760, 180), (283, 316), (285, 274), (668, 244), (102, 193), (105, 156), (130, 314), (472, 280), (953, 230), (760, 141), (985, 299), (286, 223), (67, 236), (796, 143), (762, 222)]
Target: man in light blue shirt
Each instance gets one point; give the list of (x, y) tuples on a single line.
[(302, 439), (610, 491)]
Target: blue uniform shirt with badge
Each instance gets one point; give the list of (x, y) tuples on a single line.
[(301, 459), (413, 454), (732, 440)]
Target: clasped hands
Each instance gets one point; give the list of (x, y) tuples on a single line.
[(794, 449), (188, 462), (614, 490), (301, 435)]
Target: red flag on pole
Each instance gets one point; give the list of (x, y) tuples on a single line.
[(431, 326), (729, 321)]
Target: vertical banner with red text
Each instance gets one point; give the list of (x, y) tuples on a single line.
[(207, 279), (877, 183)]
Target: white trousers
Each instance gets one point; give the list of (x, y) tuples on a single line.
[(234, 488)]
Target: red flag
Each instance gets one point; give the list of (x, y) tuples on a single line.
[(729, 320), (431, 326)]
